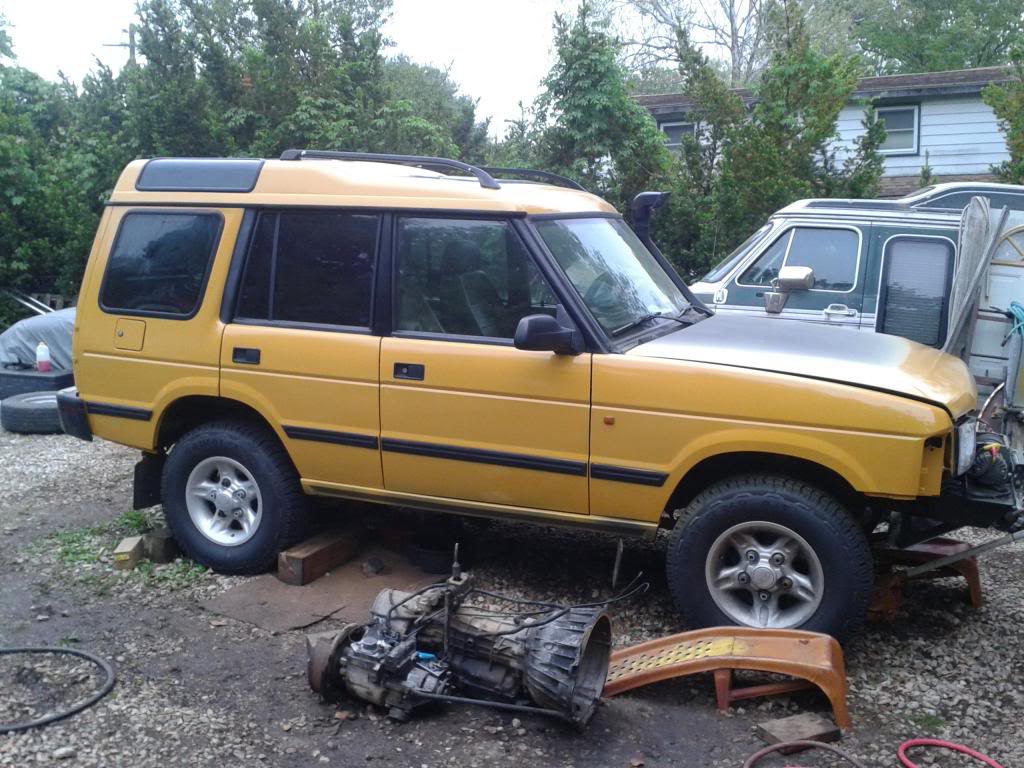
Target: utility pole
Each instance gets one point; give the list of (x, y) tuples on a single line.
[(130, 45)]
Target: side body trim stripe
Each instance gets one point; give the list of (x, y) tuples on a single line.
[(627, 475), (329, 436), (500, 458), (120, 411)]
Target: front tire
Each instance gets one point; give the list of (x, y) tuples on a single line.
[(769, 551), (232, 497)]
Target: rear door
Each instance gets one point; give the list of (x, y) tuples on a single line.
[(833, 251), (299, 347)]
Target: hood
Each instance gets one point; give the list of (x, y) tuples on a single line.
[(843, 355)]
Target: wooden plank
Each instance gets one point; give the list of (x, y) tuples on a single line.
[(803, 727), (128, 553), (312, 558)]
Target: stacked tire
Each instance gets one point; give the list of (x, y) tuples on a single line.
[(31, 413)]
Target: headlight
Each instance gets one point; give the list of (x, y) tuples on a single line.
[(966, 436)]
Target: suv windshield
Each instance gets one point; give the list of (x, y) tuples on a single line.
[(620, 281)]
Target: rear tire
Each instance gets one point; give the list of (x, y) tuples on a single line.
[(764, 550), (232, 497)]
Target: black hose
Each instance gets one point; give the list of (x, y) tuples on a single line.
[(107, 686)]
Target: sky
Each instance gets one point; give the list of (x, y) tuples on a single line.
[(497, 50)]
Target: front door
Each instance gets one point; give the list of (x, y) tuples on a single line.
[(464, 414), (834, 252), (299, 347)]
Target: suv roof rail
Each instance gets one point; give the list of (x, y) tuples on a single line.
[(486, 180), (531, 173)]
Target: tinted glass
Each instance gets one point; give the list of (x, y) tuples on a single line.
[(254, 296), (916, 281), (466, 278), (617, 277), (159, 263), (831, 253), (956, 202), (311, 267)]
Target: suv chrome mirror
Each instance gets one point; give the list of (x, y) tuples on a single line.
[(543, 333), (794, 279)]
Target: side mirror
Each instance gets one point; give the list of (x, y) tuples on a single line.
[(543, 333), (795, 279)]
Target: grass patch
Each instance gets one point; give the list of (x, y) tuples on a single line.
[(928, 722), (133, 522), (177, 575), (80, 547)]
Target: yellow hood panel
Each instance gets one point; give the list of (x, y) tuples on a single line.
[(843, 355)]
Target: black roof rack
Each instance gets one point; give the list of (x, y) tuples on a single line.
[(530, 173), (486, 180)]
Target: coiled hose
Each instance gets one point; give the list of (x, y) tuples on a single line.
[(102, 691)]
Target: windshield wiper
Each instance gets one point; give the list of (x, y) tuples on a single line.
[(646, 319)]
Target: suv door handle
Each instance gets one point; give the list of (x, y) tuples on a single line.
[(246, 355), (838, 310), (410, 371)]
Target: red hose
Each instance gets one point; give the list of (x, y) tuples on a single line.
[(905, 761)]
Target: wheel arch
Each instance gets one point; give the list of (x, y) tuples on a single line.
[(724, 465), (188, 412)]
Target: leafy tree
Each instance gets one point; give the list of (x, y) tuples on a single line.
[(740, 168), (935, 35), (1007, 101), (590, 126)]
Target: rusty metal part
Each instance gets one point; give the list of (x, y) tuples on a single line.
[(322, 660), (816, 658), (937, 558)]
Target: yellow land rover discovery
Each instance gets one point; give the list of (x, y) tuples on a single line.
[(369, 327)]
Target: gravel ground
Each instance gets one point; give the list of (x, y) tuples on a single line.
[(194, 688)]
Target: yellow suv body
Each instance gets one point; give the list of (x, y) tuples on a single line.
[(371, 330)]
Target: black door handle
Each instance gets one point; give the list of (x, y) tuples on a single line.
[(246, 355), (411, 371)]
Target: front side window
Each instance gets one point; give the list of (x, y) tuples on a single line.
[(915, 288), (310, 267), (833, 254), (159, 263), (617, 277), (900, 129), (725, 266), (466, 277)]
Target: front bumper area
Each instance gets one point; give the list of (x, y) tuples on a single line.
[(74, 418), (990, 494)]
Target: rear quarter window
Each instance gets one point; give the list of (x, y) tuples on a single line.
[(159, 263)]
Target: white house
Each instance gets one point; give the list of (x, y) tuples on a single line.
[(940, 113)]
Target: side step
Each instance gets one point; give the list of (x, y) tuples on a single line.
[(816, 658)]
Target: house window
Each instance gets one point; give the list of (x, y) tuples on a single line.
[(674, 132), (900, 128)]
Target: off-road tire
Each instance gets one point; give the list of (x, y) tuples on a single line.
[(31, 413), (833, 534), (284, 505)]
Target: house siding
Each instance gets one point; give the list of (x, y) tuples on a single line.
[(961, 135)]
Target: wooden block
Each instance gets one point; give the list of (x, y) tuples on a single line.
[(160, 545), (316, 556), (128, 553), (806, 726)]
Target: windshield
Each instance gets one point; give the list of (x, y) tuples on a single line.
[(619, 280), (725, 265)]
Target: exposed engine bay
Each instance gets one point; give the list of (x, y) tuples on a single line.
[(448, 642)]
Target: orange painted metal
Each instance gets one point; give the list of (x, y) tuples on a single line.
[(815, 658), (889, 585)]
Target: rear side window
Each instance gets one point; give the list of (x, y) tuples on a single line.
[(311, 267), (915, 289), (159, 263), (832, 253)]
